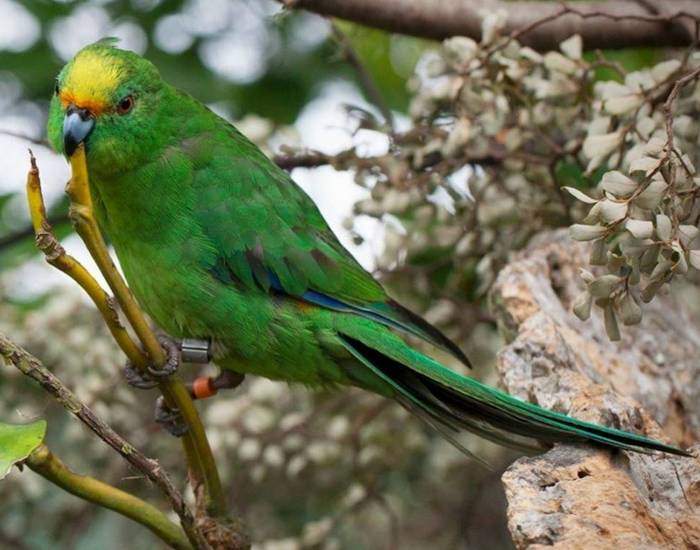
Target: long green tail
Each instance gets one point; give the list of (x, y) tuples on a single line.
[(452, 403)]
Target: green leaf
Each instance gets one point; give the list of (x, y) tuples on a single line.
[(18, 442)]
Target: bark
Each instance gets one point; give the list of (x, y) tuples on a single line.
[(579, 496), (602, 24)]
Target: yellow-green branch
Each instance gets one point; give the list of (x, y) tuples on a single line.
[(203, 471), (30, 366), (49, 466)]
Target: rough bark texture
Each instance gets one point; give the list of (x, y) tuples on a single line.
[(601, 23), (580, 497)]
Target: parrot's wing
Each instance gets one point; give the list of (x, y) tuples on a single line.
[(269, 235)]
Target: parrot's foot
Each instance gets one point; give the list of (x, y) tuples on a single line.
[(153, 375), (170, 419), (208, 386)]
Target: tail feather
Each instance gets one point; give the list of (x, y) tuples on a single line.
[(455, 402)]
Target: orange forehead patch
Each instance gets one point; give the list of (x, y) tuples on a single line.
[(95, 106)]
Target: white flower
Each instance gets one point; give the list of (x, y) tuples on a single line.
[(572, 47), (492, 24), (664, 70), (601, 145), (582, 232), (623, 104), (555, 61), (640, 229), (618, 184), (612, 211), (663, 227)]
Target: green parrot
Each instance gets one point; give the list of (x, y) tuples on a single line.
[(218, 243)]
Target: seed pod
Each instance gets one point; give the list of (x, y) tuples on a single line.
[(635, 275), (649, 291), (601, 145), (630, 312), (582, 306), (622, 104), (644, 164), (572, 46), (604, 286), (598, 252), (661, 269), (680, 264), (611, 326), (649, 259)]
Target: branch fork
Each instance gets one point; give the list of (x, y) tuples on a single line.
[(146, 355)]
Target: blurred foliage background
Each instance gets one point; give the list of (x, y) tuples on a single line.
[(306, 471)]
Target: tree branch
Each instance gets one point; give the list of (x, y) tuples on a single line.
[(602, 24), (203, 472), (32, 367), (204, 477), (49, 466)]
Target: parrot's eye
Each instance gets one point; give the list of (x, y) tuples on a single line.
[(125, 105), (56, 89)]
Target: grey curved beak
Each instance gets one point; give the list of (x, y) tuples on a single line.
[(77, 125)]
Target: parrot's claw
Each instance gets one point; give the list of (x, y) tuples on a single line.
[(149, 379), (136, 379), (170, 419), (172, 363)]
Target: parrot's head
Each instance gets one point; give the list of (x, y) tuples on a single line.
[(109, 99)]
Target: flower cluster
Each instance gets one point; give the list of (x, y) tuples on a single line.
[(506, 142), (644, 211)]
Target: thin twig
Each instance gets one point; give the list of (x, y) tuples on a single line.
[(27, 232), (32, 367), (56, 255), (26, 137), (366, 81)]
